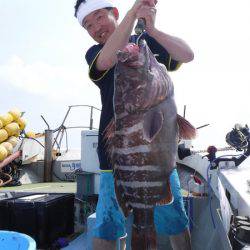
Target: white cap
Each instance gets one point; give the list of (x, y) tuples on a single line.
[(89, 6)]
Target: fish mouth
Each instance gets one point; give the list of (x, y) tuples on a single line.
[(132, 61), (122, 56)]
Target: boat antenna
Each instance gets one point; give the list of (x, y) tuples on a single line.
[(45, 122), (184, 111)]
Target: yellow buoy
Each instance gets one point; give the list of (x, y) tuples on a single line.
[(12, 129), (3, 153), (1, 124), (13, 140), (6, 119), (16, 113), (30, 134), (8, 146), (21, 122), (3, 135)]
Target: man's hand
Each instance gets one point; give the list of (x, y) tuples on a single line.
[(175, 46), (139, 3), (148, 13)]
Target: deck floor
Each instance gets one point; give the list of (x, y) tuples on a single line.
[(47, 187), (79, 243)]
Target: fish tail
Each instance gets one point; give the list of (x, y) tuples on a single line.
[(143, 230), (186, 129)]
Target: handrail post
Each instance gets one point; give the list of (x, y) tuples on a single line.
[(91, 118), (48, 155)]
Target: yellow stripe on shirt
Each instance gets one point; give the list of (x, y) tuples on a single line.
[(169, 65), (102, 73)]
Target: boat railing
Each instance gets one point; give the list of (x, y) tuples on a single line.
[(61, 131)]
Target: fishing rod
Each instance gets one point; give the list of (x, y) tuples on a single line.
[(238, 139)]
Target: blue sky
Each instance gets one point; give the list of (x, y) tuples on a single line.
[(43, 70)]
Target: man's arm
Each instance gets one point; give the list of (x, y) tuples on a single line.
[(176, 47), (120, 37)]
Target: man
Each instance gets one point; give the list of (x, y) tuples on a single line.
[(99, 18)]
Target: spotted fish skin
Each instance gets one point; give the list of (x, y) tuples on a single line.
[(143, 144), (146, 132)]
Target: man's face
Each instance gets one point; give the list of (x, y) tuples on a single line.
[(100, 24)]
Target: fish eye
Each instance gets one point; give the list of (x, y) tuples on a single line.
[(89, 26)]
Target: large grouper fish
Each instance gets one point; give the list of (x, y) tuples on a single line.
[(142, 139)]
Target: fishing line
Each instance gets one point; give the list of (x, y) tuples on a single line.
[(189, 206), (210, 196), (189, 202), (139, 37), (210, 187)]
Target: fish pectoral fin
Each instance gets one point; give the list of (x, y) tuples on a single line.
[(152, 124), (169, 198), (186, 130)]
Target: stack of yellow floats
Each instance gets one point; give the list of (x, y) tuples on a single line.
[(11, 125)]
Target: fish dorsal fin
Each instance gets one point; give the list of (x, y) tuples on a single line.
[(152, 124), (186, 130), (109, 136), (109, 130)]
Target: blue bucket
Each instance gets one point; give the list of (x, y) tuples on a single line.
[(16, 241)]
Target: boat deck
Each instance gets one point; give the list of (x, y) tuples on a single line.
[(53, 187), (78, 243), (47, 187)]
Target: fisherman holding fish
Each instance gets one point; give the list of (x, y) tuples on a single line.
[(100, 19)]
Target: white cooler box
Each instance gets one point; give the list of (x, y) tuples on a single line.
[(89, 157)]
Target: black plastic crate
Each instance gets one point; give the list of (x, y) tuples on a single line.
[(45, 217), (5, 197)]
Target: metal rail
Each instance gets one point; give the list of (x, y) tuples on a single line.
[(61, 131), (62, 127)]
